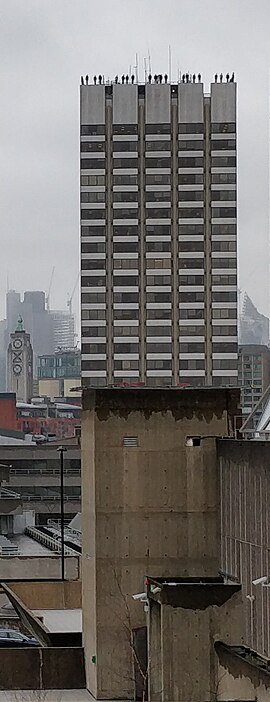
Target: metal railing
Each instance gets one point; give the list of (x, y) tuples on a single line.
[(6, 494), (49, 498), (48, 541)]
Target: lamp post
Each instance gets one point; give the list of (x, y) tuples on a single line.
[(61, 450)]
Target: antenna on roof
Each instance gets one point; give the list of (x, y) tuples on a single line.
[(149, 62), (170, 64), (136, 68), (145, 69)]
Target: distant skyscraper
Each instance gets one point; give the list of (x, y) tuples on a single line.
[(63, 329), (158, 233), (253, 326), (20, 364)]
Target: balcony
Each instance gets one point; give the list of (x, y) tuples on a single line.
[(10, 501)]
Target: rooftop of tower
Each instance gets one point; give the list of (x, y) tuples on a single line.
[(157, 78)]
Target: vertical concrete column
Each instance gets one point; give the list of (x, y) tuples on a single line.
[(141, 238), (109, 242), (174, 235), (203, 511), (208, 248), (154, 652)]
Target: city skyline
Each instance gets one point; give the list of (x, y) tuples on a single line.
[(47, 49)]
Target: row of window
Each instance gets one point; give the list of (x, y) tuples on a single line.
[(164, 128), (157, 213), (122, 348), (160, 179), (159, 196)]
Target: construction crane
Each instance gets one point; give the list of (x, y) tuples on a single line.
[(70, 298), (47, 298)]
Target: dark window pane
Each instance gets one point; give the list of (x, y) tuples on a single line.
[(156, 213), (190, 162), (92, 264), (92, 230), (159, 179), (190, 178), (125, 179), (191, 128), (125, 162), (190, 212), (223, 212), (223, 161), (189, 195), (125, 146), (125, 128), (91, 163), (157, 145), (126, 213), (125, 246), (92, 129), (223, 127), (125, 196), (160, 162), (157, 128), (88, 146), (95, 247), (159, 196), (92, 214)]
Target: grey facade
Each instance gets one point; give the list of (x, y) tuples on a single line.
[(254, 378), (158, 234), (245, 542), (35, 475)]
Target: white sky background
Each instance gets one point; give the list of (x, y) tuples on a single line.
[(45, 46)]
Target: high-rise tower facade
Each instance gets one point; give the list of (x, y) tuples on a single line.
[(158, 232)]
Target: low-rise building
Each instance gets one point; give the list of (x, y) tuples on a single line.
[(35, 475), (254, 378), (150, 505), (59, 373)]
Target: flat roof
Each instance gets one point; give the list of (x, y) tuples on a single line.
[(60, 620), (48, 695), (30, 547)]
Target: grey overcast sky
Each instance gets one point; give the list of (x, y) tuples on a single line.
[(45, 45)]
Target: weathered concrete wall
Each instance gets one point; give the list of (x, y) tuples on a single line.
[(42, 668), (48, 595), (183, 661), (245, 535), (38, 567), (240, 680), (148, 508)]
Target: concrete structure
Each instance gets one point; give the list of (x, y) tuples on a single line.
[(35, 475), (245, 490), (185, 620), (254, 378), (243, 675), (59, 373), (20, 364), (158, 233), (37, 567), (149, 505)]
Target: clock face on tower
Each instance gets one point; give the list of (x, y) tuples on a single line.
[(17, 343), (17, 369)]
